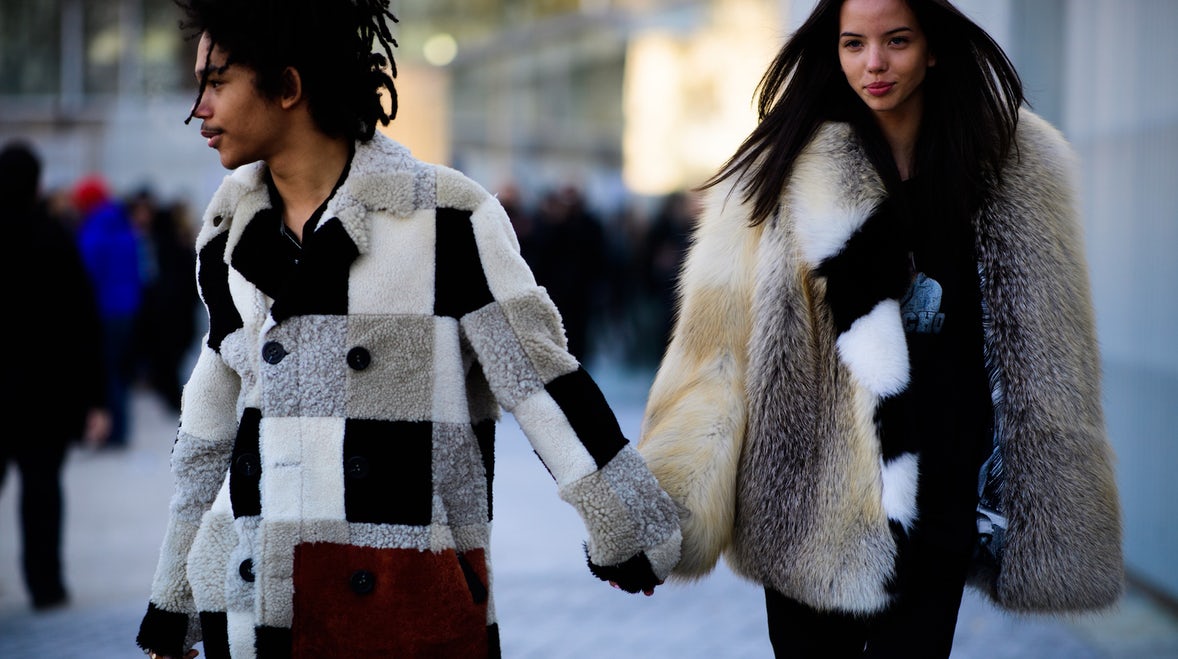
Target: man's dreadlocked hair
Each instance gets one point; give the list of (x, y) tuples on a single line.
[(329, 42)]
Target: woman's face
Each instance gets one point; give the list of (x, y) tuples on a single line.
[(885, 55)]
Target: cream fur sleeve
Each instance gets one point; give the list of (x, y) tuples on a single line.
[(696, 413)]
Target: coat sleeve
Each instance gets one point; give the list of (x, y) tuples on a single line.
[(1063, 547), (516, 334), (696, 414), (200, 462)]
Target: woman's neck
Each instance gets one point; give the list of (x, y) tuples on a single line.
[(901, 130)]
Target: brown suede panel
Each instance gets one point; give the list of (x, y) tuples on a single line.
[(408, 603)]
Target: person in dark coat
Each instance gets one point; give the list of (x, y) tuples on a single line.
[(53, 373)]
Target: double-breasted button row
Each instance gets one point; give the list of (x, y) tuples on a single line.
[(246, 570), (248, 465), (362, 582), (273, 352), (356, 467)]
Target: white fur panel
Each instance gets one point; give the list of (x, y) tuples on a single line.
[(555, 442), (720, 239), (241, 634), (508, 275), (302, 474), (411, 240), (825, 214), (876, 350), (449, 405), (457, 191), (899, 488)]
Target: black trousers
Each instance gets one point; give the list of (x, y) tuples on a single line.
[(919, 623), (40, 465)]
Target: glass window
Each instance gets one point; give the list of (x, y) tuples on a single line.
[(30, 47)]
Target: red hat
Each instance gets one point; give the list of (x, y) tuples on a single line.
[(89, 192)]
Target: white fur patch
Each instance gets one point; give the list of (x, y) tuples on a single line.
[(449, 405), (412, 241), (555, 442), (899, 488), (508, 275), (825, 218), (241, 634), (876, 350), (301, 475)]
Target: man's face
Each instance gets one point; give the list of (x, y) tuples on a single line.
[(238, 121)]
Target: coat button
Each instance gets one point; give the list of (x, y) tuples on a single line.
[(359, 358), (362, 582), (247, 465), (246, 570), (356, 467), (273, 352)]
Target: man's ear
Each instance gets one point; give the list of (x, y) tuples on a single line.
[(292, 88)]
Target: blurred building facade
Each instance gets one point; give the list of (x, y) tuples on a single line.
[(633, 98)]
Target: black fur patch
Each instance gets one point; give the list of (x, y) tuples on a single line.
[(214, 290), (163, 632), (872, 266), (245, 467), (388, 467), (460, 282), (582, 403)]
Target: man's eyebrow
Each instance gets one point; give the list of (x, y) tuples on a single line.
[(210, 70)]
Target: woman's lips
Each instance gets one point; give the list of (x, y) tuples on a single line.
[(880, 88)]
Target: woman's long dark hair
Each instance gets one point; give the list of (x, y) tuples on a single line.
[(971, 103)]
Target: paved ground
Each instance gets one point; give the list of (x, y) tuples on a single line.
[(549, 606)]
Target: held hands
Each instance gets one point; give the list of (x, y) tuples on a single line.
[(647, 591), (634, 575)]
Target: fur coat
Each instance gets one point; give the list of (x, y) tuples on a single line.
[(760, 422), (335, 453)]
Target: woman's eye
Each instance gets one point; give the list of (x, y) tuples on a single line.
[(852, 43), (899, 41)]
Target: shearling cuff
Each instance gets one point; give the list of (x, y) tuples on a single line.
[(163, 632)]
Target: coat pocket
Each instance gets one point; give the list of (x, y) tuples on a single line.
[(365, 601)]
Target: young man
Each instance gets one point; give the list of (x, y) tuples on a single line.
[(368, 316)]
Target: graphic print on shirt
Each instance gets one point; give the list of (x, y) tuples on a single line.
[(920, 308)]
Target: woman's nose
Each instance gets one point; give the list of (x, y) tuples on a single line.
[(876, 59)]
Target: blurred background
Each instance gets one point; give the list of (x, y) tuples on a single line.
[(593, 119)]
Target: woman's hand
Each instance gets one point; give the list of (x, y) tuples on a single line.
[(190, 655), (648, 591)]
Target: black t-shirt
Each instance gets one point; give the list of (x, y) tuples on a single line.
[(945, 415)]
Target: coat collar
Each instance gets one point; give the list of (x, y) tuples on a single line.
[(383, 177)]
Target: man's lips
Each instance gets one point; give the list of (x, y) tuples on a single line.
[(880, 88), (211, 135)]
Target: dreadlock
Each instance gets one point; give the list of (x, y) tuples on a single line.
[(329, 42)]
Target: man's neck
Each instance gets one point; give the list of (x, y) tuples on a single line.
[(305, 175)]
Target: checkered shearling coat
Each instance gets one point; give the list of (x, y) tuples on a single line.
[(335, 452)]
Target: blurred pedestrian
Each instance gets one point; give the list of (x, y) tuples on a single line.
[(110, 250), (165, 327), (569, 262), (53, 372), (368, 315), (886, 297)]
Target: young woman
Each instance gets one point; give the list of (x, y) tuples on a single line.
[(888, 282)]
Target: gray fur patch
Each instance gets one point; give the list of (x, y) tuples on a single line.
[(393, 386), (506, 366)]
